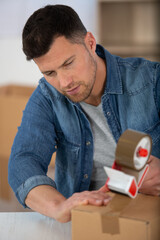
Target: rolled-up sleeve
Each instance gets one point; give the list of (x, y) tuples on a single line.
[(29, 184)]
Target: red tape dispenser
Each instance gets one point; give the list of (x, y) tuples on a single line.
[(130, 168)]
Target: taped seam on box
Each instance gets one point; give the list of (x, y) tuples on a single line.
[(110, 223), (110, 219)]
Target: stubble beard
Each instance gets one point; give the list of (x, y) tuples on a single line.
[(87, 87)]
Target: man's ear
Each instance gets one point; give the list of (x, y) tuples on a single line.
[(90, 41)]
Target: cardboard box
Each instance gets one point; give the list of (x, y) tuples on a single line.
[(12, 103), (8, 201), (123, 219), (4, 186), (13, 100)]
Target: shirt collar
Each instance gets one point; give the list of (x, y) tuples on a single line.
[(113, 81)]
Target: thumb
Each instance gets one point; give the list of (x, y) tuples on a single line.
[(104, 189), (151, 158)]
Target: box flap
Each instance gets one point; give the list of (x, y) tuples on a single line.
[(138, 210)]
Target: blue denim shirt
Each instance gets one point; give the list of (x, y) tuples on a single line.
[(51, 122)]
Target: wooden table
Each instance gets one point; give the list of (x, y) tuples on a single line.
[(32, 226)]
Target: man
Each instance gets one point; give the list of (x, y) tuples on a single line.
[(83, 104)]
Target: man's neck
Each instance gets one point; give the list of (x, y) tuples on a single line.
[(99, 85)]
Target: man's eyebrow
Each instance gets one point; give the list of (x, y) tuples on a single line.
[(67, 60), (46, 72)]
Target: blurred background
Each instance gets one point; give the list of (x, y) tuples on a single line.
[(128, 28), (13, 14)]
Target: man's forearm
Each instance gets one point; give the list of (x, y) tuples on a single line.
[(44, 199), (49, 202)]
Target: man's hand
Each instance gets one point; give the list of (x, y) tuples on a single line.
[(97, 198), (49, 202), (151, 183)]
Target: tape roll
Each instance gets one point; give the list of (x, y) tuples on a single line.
[(133, 149)]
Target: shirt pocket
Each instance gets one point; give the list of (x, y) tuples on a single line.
[(67, 157)]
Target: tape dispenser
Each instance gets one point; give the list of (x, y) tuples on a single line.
[(130, 167)]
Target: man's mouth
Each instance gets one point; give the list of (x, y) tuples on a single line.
[(73, 91)]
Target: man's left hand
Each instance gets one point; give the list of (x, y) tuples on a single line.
[(151, 183)]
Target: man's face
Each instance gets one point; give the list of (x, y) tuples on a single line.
[(70, 68)]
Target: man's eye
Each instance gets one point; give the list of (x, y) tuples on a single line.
[(49, 73), (68, 63)]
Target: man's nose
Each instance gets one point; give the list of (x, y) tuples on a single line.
[(65, 81)]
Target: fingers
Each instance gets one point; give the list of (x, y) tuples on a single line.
[(153, 159), (96, 198), (104, 189), (150, 159), (99, 202), (151, 186), (154, 169)]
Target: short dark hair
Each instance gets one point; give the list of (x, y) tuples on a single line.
[(48, 23)]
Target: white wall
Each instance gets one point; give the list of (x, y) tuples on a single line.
[(14, 69)]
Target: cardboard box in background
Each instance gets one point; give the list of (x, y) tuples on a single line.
[(8, 201), (12, 103), (123, 219), (13, 100), (4, 186)]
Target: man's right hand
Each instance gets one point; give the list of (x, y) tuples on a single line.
[(96, 198), (49, 202)]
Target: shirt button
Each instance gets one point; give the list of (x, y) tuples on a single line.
[(108, 113), (88, 143), (85, 176)]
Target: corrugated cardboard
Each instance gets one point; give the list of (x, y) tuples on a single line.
[(123, 219), (4, 186), (13, 100), (12, 103), (8, 201)]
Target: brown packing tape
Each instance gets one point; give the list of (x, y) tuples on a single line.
[(110, 223), (137, 174), (126, 147), (110, 219), (131, 172)]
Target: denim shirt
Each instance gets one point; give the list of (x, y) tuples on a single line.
[(51, 122)]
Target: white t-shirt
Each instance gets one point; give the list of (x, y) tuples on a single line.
[(104, 144)]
